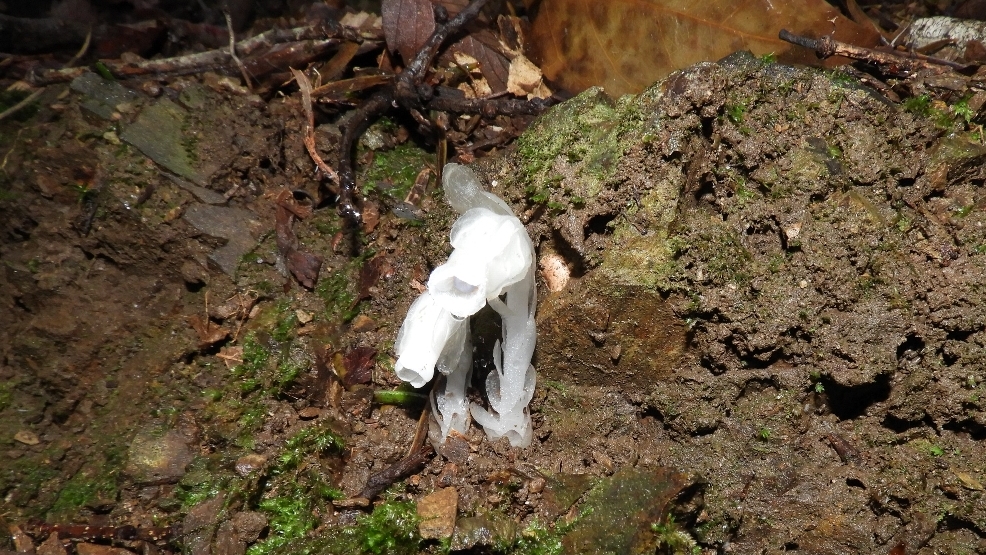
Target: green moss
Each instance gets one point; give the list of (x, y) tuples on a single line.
[(255, 356), (393, 171), (287, 372), (536, 539), (726, 260), (250, 258), (928, 448), (671, 538), (289, 518), (556, 207), (920, 105), (292, 492), (318, 439), (392, 528), (735, 113), (340, 301), (286, 323), (198, 484), (584, 132), (22, 481), (89, 484), (6, 394), (212, 394)]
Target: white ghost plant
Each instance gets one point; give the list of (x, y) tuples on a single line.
[(492, 262)]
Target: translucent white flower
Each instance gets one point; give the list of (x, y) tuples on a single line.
[(492, 257), (490, 252), (426, 331)]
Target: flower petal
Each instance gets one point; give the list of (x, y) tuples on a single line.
[(423, 335)]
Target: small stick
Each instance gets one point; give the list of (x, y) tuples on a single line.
[(232, 52), (420, 432), (397, 471), (893, 62), (201, 61), (306, 102), (20, 105), (82, 51), (13, 109)]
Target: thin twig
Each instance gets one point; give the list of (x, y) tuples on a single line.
[(31, 97), (306, 102), (17, 107), (232, 52), (892, 61), (82, 51), (397, 471), (210, 59)]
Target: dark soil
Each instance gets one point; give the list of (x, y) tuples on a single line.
[(781, 275)]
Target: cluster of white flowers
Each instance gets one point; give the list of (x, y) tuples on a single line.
[(492, 262)]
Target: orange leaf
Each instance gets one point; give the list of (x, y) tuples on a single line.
[(626, 45)]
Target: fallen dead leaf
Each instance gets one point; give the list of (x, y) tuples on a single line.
[(303, 266), (968, 480), (626, 45), (208, 332), (407, 25), (493, 64), (365, 22), (303, 317), (359, 364), (363, 323), (371, 272), (526, 80), (476, 85), (371, 216)]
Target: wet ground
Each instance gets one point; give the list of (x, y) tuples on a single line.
[(771, 339)]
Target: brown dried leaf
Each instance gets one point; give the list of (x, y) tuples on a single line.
[(27, 437), (968, 480), (626, 45), (493, 63), (371, 216), (336, 66), (359, 365), (407, 24), (326, 388), (303, 266), (526, 80), (209, 333), (371, 272)]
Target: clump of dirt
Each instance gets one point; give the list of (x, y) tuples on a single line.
[(772, 330)]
